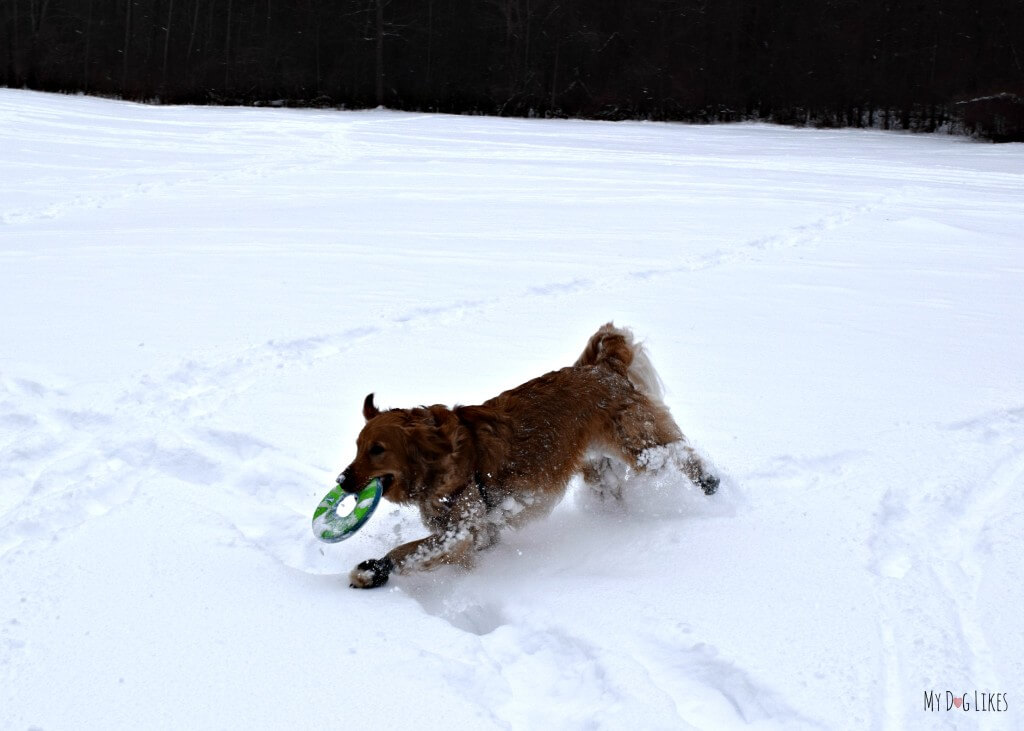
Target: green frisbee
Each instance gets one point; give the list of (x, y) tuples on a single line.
[(330, 527)]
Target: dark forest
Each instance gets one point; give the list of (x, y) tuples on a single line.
[(883, 63)]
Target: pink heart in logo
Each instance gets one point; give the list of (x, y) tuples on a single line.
[(958, 702)]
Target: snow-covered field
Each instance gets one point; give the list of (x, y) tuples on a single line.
[(195, 301)]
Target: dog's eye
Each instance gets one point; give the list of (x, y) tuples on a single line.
[(377, 449)]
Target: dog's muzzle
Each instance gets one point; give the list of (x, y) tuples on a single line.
[(347, 481)]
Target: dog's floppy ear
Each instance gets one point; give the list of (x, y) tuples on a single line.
[(369, 410)]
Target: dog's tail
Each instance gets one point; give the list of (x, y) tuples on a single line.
[(614, 348)]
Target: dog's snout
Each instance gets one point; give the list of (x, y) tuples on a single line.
[(347, 480)]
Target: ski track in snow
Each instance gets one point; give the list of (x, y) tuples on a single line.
[(930, 551), (74, 453), (123, 188)]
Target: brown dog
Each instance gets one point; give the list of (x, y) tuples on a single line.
[(472, 470)]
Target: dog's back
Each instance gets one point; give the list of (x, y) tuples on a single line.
[(608, 403)]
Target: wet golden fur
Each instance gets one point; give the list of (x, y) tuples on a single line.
[(472, 470)]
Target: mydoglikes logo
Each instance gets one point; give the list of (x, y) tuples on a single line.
[(976, 700)]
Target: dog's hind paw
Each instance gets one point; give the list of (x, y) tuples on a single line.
[(371, 573), (708, 483)]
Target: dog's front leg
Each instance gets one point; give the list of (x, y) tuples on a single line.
[(456, 522)]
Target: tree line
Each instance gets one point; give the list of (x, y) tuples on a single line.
[(887, 63)]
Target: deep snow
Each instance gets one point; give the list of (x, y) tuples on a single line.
[(196, 300)]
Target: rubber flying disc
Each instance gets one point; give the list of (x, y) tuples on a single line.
[(330, 527)]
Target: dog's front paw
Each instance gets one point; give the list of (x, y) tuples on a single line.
[(372, 573), (709, 483)]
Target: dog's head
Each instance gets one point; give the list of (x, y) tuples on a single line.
[(402, 447)]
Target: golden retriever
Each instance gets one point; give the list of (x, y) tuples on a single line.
[(471, 470)]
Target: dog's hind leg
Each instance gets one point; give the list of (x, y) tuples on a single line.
[(685, 458), (604, 475), (648, 439)]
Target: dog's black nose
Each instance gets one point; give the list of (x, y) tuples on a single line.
[(347, 481)]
